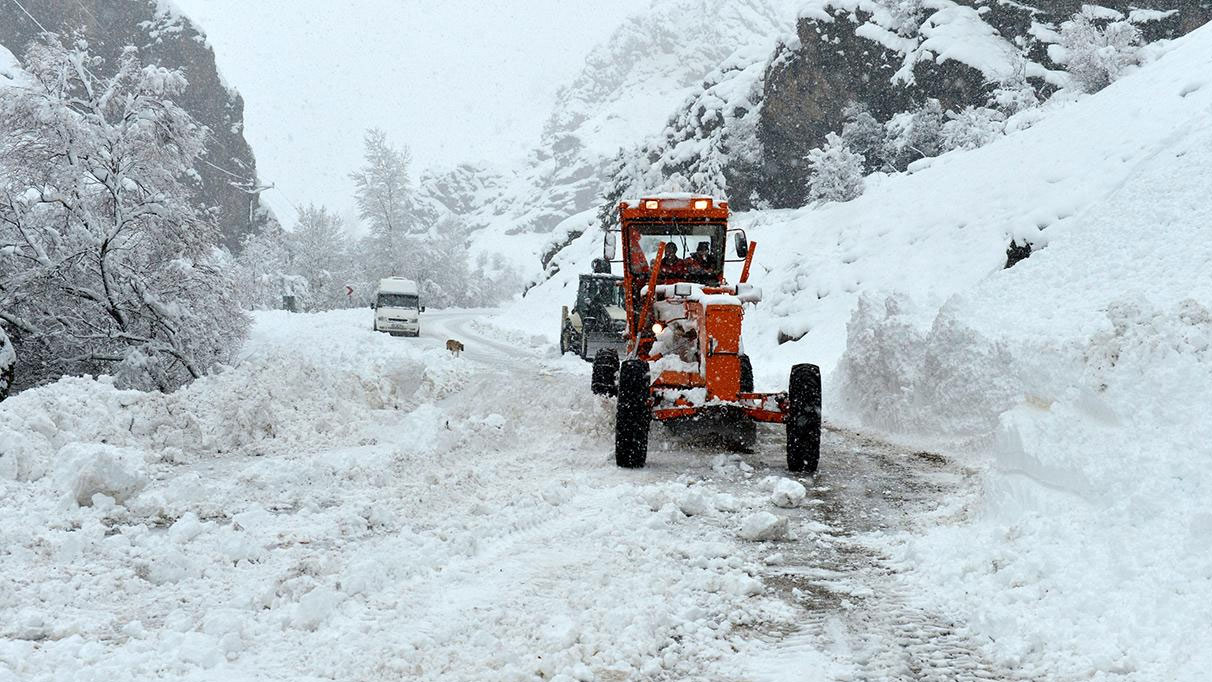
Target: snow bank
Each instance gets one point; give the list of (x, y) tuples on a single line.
[(282, 393), (1082, 376)]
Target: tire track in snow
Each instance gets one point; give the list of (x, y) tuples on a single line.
[(852, 601)]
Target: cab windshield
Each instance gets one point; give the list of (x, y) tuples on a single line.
[(692, 252), (398, 301), (601, 291)]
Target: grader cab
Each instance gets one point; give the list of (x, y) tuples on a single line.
[(684, 362)]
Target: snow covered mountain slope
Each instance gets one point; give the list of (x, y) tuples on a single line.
[(629, 87), (1075, 380)]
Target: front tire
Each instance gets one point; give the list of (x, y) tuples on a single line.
[(803, 419), (633, 416), (605, 371)]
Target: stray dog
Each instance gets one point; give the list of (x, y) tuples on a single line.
[(454, 347)]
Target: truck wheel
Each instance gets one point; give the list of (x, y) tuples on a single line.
[(605, 371), (803, 418), (633, 416), (746, 375)]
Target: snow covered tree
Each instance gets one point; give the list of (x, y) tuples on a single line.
[(265, 271), (707, 176), (322, 256), (8, 364), (631, 175), (1095, 56), (105, 266), (385, 202), (835, 173)]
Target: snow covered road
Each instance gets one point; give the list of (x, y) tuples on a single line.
[(348, 505)]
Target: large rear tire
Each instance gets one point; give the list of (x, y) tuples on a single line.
[(605, 371), (633, 417), (803, 419)]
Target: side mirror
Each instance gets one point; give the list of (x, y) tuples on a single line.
[(742, 245), (610, 246), (422, 308)]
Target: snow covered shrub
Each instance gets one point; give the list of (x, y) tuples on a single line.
[(106, 266), (835, 173), (1015, 94), (971, 128), (863, 134), (1095, 56), (914, 135)]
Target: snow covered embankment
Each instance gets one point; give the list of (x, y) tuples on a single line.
[(1084, 374)]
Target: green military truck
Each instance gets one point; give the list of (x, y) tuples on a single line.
[(599, 318)]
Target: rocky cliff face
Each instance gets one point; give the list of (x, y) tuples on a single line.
[(165, 38), (955, 51)]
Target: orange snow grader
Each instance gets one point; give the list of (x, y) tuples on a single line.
[(684, 362)]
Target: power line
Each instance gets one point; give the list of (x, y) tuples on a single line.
[(31, 17)]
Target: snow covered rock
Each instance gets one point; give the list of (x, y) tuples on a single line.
[(88, 469), (788, 493), (764, 526)]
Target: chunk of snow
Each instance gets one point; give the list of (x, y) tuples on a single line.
[(86, 469), (694, 503), (762, 526), (315, 607), (788, 493)]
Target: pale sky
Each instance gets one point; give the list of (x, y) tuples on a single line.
[(459, 80)]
